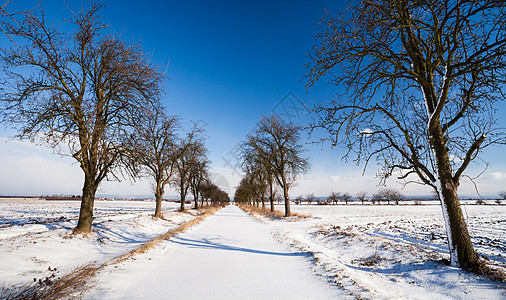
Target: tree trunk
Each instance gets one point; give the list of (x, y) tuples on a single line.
[(287, 198), (271, 196), (158, 199), (181, 208), (461, 248), (263, 201), (182, 193), (196, 200), (183, 196), (86, 212)]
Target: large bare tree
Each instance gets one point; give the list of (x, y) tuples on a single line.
[(420, 81), (80, 92), (155, 150), (277, 144)]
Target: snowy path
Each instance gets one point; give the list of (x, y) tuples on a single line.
[(228, 256)]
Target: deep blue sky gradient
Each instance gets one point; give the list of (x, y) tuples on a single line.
[(231, 62)]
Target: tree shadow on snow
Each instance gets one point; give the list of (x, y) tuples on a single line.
[(208, 244)]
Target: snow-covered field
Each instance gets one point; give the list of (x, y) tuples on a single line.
[(368, 252), (388, 251), (36, 235)]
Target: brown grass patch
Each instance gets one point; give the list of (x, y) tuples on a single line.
[(370, 261), (152, 243), (78, 281), (52, 287), (277, 214), (334, 230)]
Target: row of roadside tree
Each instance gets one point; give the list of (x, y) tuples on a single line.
[(91, 96)]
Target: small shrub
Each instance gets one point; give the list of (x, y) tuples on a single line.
[(370, 261)]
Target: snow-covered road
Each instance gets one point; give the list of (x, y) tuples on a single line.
[(228, 256)]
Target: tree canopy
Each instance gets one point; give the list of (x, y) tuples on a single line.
[(421, 80)]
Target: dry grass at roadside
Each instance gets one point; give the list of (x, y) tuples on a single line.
[(51, 286), (78, 281), (152, 243), (277, 214)]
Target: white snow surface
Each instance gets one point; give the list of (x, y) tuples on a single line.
[(36, 235), (358, 251), (395, 252), (228, 256)]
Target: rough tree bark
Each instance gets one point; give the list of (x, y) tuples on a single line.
[(88, 199), (459, 240)]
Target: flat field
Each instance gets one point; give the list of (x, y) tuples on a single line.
[(396, 251), (366, 251)]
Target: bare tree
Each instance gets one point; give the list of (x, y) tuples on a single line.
[(258, 173), (154, 151), (361, 196), (191, 148), (310, 198), (219, 197), (442, 63), (391, 195), (278, 144), (253, 159), (198, 174), (245, 191), (85, 90), (346, 197), (501, 194), (334, 198), (377, 198)]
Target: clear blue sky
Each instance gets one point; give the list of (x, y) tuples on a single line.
[(229, 63)]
